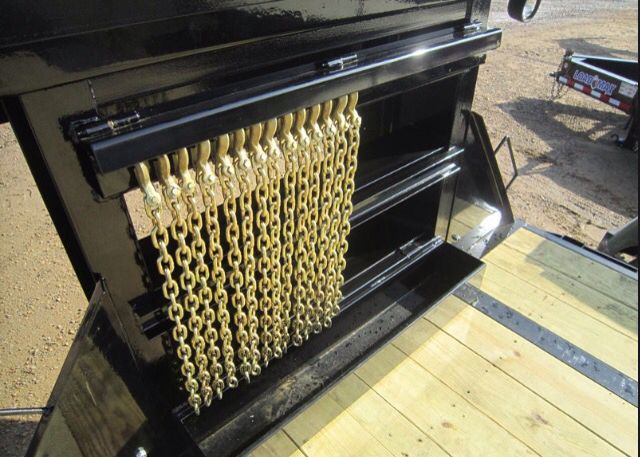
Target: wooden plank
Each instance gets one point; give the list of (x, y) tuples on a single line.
[(326, 429), (383, 421), (279, 445), (591, 335), (534, 421), (557, 285), (445, 416), (601, 411), (576, 266)]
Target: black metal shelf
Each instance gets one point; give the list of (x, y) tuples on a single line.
[(402, 183)]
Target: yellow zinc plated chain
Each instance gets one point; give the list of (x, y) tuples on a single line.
[(178, 229), (212, 197), (247, 181), (231, 190), (275, 169), (170, 289), (338, 195), (196, 295), (328, 238), (289, 146), (351, 164), (316, 276), (259, 160), (302, 294)]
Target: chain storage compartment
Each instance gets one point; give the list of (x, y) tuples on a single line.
[(285, 254)]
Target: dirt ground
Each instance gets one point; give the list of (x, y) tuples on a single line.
[(572, 180)]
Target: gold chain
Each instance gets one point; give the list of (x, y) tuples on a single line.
[(165, 264), (275, 170), (328, 234), (231, 190), (289, 149), (317, 258), (259, 159), (338, 208), (282, 264), (352, 122), (201, 273), (302, 293), (247, 181), (212, 197)]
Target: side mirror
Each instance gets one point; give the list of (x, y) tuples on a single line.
[(523, 10)]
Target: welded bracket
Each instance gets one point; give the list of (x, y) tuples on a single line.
[(507, 140)]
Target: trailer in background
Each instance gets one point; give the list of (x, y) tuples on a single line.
[(612, 81)]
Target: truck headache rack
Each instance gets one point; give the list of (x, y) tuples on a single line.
[(248, 194)]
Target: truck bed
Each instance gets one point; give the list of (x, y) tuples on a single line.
[(459, 382)]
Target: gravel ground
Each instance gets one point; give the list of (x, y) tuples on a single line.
[(573, 180)]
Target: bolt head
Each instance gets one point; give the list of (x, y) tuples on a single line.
[(141, 452)]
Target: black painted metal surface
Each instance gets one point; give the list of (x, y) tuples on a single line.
[(62, 42), (177, 72)]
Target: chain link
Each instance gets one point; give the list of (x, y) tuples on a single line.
[(352, 123), (316, 275), (247, 181), (231, 190), (328, 234), (212, 197), (339, 201), (275, 170), (289, 148), (201, 273), (259, 159), (302, 291), (170, 288), (283, 268)]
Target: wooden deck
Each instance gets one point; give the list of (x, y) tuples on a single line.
[(459, 383)]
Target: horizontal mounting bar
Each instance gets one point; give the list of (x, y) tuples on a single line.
[(276, 94)]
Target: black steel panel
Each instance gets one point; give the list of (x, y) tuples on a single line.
[(51, 43)]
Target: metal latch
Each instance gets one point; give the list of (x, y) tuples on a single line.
[(95, 127), (340, 63), (472, 27)]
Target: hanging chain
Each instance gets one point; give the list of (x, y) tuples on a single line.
[(328, 232), (302, 292), (281, 267), (275, 170), (338, 204), (247, 181), (289, 148), (231, 190), (339, 200), (201, 272), (315, 275), (166, 264), (352, 123), (212, 197), (558, 89), (259, 159)]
